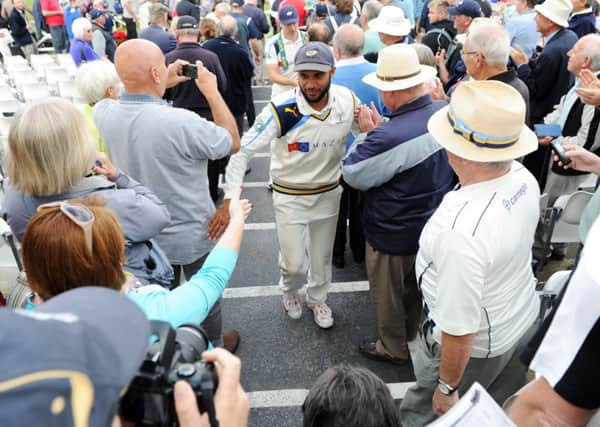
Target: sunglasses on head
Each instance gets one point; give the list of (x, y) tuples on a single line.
[(79, 214)]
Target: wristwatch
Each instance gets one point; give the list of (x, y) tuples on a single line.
[(446, 388)]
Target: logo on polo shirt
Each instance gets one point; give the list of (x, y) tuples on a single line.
[(303, 147)]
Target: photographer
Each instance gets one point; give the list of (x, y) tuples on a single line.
[(80, 243)]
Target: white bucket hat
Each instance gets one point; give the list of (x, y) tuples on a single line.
[(558, 11), (485, 122), (398, 68), (391, 20)]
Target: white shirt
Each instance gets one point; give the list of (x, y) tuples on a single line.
[(308, 156), (291, 48), (474, 262)]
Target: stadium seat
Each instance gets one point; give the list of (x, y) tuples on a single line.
[(34, 91)]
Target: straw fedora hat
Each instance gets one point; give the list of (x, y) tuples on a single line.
[(558, 11), (391, 20), (398, 68), (485, 122)]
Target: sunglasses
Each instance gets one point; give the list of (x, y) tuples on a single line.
[(80, 215)]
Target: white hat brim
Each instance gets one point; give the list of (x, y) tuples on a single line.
[(427, 73), (379, 26), (440, 129), (551, 15)]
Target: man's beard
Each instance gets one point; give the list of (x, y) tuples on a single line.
[(320, 96)]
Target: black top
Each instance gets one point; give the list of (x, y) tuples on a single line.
[(510, 78), (436, 40), (187, 95), (238, 69)]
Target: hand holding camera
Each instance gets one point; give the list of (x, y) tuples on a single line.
[(205, 80)]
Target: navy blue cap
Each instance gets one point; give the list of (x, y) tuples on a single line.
[(95, 14), (187, 23), (321, 9), (237, 3), (288, 15), (467, 7), (67, 362), (314, 56)]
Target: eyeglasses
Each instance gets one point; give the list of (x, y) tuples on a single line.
[(80, 215), (474, 52)]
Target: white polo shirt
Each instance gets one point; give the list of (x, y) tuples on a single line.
[(291, 48), (474, 262)]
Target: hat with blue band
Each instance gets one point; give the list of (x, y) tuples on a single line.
[(485, 122)]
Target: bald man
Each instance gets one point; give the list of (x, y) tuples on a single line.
[(348, 45), (167, 149)]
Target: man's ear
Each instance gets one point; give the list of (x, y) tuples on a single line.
[(155, 75), (332, 72)]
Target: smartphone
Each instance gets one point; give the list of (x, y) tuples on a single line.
[(551, 130), (560, 152), (190, 70)]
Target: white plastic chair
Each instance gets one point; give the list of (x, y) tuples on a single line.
[(7, 94), (39, 61), (10, 107), (13, 60), (4, 127), (68, 89), (35, 91), (570, 208)]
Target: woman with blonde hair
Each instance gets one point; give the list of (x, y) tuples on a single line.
[(52, 161)]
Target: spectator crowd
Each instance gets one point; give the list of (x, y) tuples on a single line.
[(431, 138)]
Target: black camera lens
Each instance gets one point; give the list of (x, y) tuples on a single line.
[(192, 343)]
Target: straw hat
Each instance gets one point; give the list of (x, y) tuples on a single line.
[(391, 20), (398, 68), (558, 11), (485, 122)]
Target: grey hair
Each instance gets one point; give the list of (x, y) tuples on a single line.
[(491, 40), (425, 54), (592, 50), (228, 26), (371, 9), (346, 396), (79, 26), (94, 78), (157, 12), (505, 164), (189, 32), (350, 40)]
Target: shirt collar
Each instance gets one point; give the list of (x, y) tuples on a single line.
[(350, 61), (582, 12), (132, 98), (505, 76), (550, 37), (287, 41), (415, 104)]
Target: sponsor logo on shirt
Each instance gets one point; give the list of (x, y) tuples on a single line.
[(509, 203), (303, 147)]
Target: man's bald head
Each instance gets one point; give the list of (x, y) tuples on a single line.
[(318, 32), (349, 41), (141, 67)]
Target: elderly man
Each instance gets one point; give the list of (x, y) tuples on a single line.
[(474, 261), (522, 29), (547, 76), (404, 174), (156, 31), (102, 40), (351, 67), (309, 127), (167, 149), (318, 32), (281, 51), (450, 65), (485, 54), (237, 68), (187, 95), (392, 26), (370, 11)]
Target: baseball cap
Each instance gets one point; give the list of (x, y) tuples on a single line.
[(288, 15), (67, 362), (237, 3), (187, 23), (95, 14), (321, 9), (467, 7), (314, 56)]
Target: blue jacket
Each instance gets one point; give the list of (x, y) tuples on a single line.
[(163, 39), (18, 28), (583, 24), (404, 174), (81, 51)]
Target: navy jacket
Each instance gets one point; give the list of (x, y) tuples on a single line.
[(165, 40), (187, 95), (258, 17), (404, 174), (583, 24), (18, 28), (547, 76), (237, 68), (187, 7)]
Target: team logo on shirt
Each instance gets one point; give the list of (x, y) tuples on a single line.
[(291, 110), (303, 147)]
